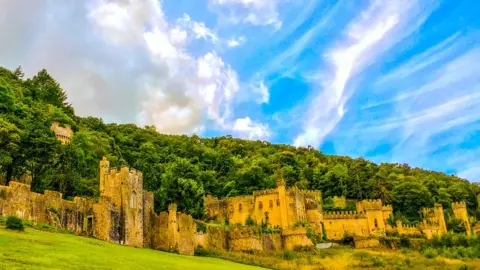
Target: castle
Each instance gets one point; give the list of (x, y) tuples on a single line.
[(125, 214), (63, 134), (284, 208)]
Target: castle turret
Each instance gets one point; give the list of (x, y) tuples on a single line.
[(282, 197), (173, 236), (104, 167), (438, 208), (460, 212)]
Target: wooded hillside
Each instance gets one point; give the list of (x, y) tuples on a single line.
[(183, 169)]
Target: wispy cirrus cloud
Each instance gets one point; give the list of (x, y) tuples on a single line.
[(429, 109), (255, 12), (375, 30)]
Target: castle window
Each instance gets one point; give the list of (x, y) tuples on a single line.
[(132, 199), (239, 207), (375, 222), (270, 204), (260, 205), (278, 202)]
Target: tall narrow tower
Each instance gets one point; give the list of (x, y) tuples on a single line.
[(460, 212), (104, 167)]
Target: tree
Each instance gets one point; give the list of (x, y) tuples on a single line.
[(410, 197)]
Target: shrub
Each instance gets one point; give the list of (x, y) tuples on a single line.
[(347, 239), (45, 226), (288, 255), (461, 240), (361, 255), (405, 242), (201, 227), (430, 253), (249, 221), (15, 223), (378, 262)]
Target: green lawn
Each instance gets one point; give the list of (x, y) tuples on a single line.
[(34, 249)]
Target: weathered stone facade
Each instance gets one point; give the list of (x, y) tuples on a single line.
[(124, 213), (63, 134), (49, 208), (285, 208)]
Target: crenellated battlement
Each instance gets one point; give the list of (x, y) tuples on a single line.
[(265, 192), (312, 194), (343, 215), (387, 207), (459, 205), (172, 207), (369, 205)]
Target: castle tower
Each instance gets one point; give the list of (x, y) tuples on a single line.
[(104, 167), (374, 212), (460, 212), (282, 196), (438, 209), (173, 236)]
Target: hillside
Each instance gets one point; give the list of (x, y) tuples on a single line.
[(26, 250), (182, 169)]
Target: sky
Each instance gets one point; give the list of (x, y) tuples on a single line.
[(389, 81)]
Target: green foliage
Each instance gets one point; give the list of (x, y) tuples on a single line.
[(201, 227), (14, 223), (405, 241), (378, 262), (289, 256), (430, 253), (456, 225), (182, 169), (249, 221), (347, 239)]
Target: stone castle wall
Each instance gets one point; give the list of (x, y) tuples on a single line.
[(124, 213), (17, 199)]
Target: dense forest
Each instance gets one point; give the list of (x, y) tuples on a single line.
[(183, 169)]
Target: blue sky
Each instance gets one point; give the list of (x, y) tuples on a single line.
[(390, 81)]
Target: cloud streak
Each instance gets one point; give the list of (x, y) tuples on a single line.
[(375, 30)]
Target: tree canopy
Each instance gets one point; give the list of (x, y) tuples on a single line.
[(182, 169)]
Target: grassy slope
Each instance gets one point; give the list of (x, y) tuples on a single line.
[(34, 249)]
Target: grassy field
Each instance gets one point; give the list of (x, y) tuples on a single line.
[(35, 249), (347, 258)]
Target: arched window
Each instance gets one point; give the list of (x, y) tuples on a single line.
[(278, 202), (375, 222), (260, 205), (132, 199), (270, 204), (239, 207)]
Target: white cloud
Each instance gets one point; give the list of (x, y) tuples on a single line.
[(432, 115), (236, 41), (199, 29), (245, 127), (367, 36), (255, 12), (125, 62), (262, 91)]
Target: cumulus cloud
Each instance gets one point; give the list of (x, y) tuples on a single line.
[(236, 41), (245, 127), (261, 90), (255, 12), (375, 30), (122, 60)]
